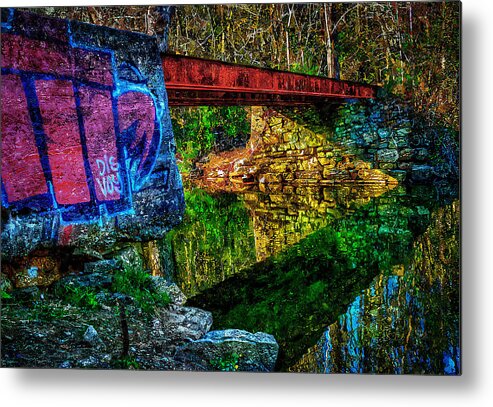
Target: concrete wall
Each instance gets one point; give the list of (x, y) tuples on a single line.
[(88, 155)]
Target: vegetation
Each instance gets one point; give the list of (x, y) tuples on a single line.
[(128, 281), (227, 363), (128, 362), (77, 296), (137, 284), (199, 131), (410, 48)]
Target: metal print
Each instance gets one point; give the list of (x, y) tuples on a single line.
[(254, 187)]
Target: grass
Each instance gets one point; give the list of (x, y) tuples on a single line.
[(138, 285), (82, 297)]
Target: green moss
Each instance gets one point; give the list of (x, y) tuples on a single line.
[(128, 362)]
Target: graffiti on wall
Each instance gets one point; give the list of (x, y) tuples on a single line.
[(80, 132)]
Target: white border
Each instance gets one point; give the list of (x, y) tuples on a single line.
[(474, 388)]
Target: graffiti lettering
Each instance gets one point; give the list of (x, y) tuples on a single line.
[(109, 181), (107, 165)]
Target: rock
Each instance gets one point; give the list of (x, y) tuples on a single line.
[(104, 298), (91, 336), (116, 298), (421, 173), (406, 154), (404, 132), (39, 271), (383, 133), (27, 294), (94, 280), (256, 352), (399, 175), (102, 266), (387, 155), (177, 325), (130, 258), (65, 365), (161, 285), (90, 363), (387, 166), (370, 137)]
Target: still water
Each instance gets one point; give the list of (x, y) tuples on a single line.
[(347, 279)]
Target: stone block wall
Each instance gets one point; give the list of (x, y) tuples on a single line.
[(283, 152), (397, 140)]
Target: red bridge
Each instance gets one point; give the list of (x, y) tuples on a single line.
[(202, 82)]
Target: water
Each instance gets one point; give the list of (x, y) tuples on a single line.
[(353, 280)]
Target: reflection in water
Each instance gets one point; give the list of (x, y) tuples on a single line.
[(214, 242), (226, 233), (377, 267), (349, 271), (405, 323), (282, 219), (295, 294)]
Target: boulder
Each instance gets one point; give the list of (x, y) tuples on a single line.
[(39, 271), (102, 266), (129, 258), (32, 293), (251, 352), (176, 325), (160, 285), (90, 362)]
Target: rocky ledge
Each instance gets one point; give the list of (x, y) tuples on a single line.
[(42, 330)]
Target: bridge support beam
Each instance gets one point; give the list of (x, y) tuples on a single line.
[(197, 82)]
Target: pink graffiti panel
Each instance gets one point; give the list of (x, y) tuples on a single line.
[(60, 124), (35, 55), (22, 173), (65, 147), (102, 152), (137, 107)]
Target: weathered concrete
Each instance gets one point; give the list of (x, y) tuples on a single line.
[(87, 145)]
